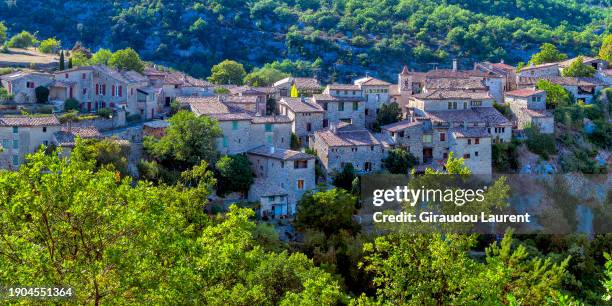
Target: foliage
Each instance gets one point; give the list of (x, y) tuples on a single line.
[(188, 140), (6, 70), (139, 243), (126, 59), (505, 156), (71, 104), (101, 57), (578, 69), (49, 45), (227, 72), (78, 59), (503, 109), (418, 269), (42, 94), (541, 144), (556, 95), (344, 179), (62, 61), (328, 211), (104, 112), (221, 91), (548, 54), (2, 33), (264, 76), (605, 52), (608, 281), (107, 153), (399, 161), (388, 113), (4, 95), (234, 174), (295, 142), (22, 40)]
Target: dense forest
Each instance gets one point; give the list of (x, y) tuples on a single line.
[(347, 37)]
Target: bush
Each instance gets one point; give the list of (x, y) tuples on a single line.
[(42, 94), (104, 112), (505, 156), (49, 45), (541, 144), (71, 104), (47, 109), (4, 95), (504, 109), (399, 161), (133, 118), (23, 40), (6, 70)]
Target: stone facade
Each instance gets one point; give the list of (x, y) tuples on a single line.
[(23, 84), (306, 116), (21, 135), (406, 134), (529, 109), (341, 109)]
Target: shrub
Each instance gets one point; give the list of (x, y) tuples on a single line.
[(104, 112), (504, 109), (133, 118), (71, 104), (541, 144), (47, 109), (49, 45), (23, 40), (5, 70), (505, 156)]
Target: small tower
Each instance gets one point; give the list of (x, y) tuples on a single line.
[(405, 81)]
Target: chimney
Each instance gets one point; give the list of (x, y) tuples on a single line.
[(272, 149), (454, 64), (501, 61), (333, 127)]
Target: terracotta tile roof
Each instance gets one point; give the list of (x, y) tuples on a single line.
[(282, 154), (445, 94), (299, 105), (449, 73), (28, 121), (585, 60), (537, 113), (488, 115), (545, 65), (361, 137), (231, 116), (67, 137), (22, 74), (262, 188), (267, 90), (370, 81), (157, 124), (563, 81), (133, 76), (270, 119), (301, 83), (504, 66), (245, 90), (525, 92), (385, 140), (459, 84), (472, 132), (401, 125), (204, 105), (343, 87), (240, 99)]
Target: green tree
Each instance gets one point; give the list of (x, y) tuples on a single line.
[(344, 179), (62, 61), (399, 161), (107, 153), (71, 104), (78, 59), (49, 45), (295, 142), (327, 211), (234, 174), (265, 76), (42, 94), (388, 113), (607, 283), (227, 72), (23, 40), (578, 69), (556, 95), (2, 33), (126, 59), (188, 140), (605, 52), (101, 57), (548, 54)]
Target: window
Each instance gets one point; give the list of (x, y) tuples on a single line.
[(450, 105), (476, 103), (464, 105), (6, 143), (268, 127), (66, 75), (340, 106), (300, 164), (426, 138), (325, 123), (269, 139), (325, 106), (469, 141), (30, 84), (44, 129), (225, 142), (367, 111), (476, 153), (308, 127), (442, 137), (355, 105), (234, 125), (84, 91), (401, 134), (15, 129), (477, 141), (466, 156), (120, 91), (97, 89), (15, 144), (83, 76), (300, 184), (15, 160), (445, 155)]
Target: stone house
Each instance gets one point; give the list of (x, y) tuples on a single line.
[(174, 84), (605, 76), (596, 63), (582, 89), (305, 115), (248, 103), (306, 86), (507, 72), (376, 93), (21, 135), (22, 84), (474, 146), (156, 128), (529, 108), (282, 178), (336, 146), (407, 134), (66, 137), (537, 71), (258, 97), (341, 109)]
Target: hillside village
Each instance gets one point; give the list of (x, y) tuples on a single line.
[(298, 133)]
